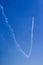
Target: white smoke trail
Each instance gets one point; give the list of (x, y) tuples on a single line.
[(31, 41), (13, 35)]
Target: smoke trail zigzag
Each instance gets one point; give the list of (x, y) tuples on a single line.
[(13, 35)]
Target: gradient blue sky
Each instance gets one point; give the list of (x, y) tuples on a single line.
[(19, 14)]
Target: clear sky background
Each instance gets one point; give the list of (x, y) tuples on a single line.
[(19, 14)]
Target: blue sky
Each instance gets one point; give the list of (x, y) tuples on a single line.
[(19, 14)]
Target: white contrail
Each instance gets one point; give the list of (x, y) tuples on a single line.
[(31, 41), (13, 35), (2, 9)]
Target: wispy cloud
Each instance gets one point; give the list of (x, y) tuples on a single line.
[(13, 35)]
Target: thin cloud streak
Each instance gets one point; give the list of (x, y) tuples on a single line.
[(13, 35)]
